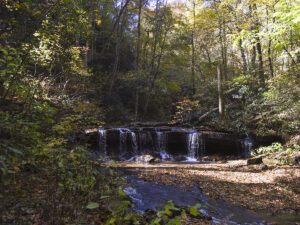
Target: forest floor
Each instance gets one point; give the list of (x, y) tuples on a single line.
[(269, 190)]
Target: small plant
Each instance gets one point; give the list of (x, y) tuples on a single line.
[(165, 216), (275, 147)]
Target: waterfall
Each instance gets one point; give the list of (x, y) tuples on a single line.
[(134, 143), (171, 144), (193, 146), (161, 144), (123, 141), (102, 142), (145, 142), (247, 145)]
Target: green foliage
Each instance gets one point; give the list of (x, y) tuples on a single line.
[(92, 205), (194, 209), (166, 216), (279, 153), (185, 109), (275, 147)]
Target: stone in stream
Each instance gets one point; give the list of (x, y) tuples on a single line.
[(255, 160), (148, 159)]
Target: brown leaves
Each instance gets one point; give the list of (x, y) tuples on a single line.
[(248, 186)]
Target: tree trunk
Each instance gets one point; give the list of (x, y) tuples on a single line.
[(153, 70), (193, 49), (253, 61), (138, 49), (243, 56), (260, 62), (269, 47), (117, 54), (222, 38), (115, 67), (136, 105), (220, 92)]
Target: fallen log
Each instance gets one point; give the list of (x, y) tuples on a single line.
[(206, 114), (150, 124)]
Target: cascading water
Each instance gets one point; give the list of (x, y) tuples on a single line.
[(134, 143), (247, 145), (145, 141), (171, 144), (161, 145), (123, 141), (193, 146), (102, 142)]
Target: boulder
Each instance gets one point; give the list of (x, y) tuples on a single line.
[(295, 158), (147, 159), (255, 160), (206, 159)]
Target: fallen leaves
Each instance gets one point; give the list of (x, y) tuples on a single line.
[(276, 189)]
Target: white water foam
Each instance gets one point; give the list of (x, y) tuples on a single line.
[(102, 142)]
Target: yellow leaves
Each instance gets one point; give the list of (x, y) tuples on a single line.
[(17, 6), (17, 169), (99, 22)]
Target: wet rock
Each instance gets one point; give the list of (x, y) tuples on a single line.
[(264, 167), (148, 159), (156, 160), (179, 158), (206, 159), (295, 158), (255, 160)]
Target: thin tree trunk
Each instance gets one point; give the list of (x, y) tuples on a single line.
[(86, 54), (259, 49), (208, 55), (222, 39), (269, 47), (115, 25), (115, 67), (117, 55), (136, 105), (193, 48), (138, 49), (152, 65), (253, 61), (220, 92), (260, 62), (243, 56), (253, 54), (155, 73)]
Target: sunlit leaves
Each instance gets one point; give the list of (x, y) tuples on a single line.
[(92, 205)]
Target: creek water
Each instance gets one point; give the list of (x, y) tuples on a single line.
[(153, 196)]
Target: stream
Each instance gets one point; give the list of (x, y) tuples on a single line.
[(148, 195), (154, 196)]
